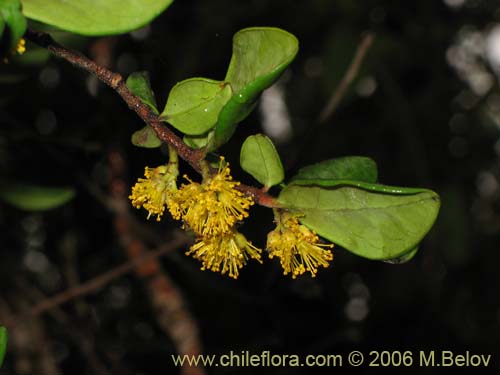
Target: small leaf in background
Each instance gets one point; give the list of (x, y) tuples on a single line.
[(146, 137), (368, 223), (357, 168), (35, 198), (95, 17), (140, 85), (193, 105), (259, 158), (260, 55), (13, 24), (3, 344)]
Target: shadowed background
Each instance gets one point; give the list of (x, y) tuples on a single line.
[(425, 106)]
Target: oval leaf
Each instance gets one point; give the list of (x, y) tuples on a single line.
[(3, 344), (95, 17), (35, 198), (367, 223), (146, 137), (259, 158), (140, 85), (193, 105), (260, 55), (357, 168)]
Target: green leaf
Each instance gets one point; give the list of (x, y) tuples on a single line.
[(35, 198), (198, 141), (95, 17), (193, 105), (3, 344), (357, 168), (260, 55), (13, 23), (140, 85), (370, 224), (146, 137), (259, 158)]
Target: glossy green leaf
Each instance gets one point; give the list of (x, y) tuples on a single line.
[(357, 168), (35, 198), (3, 344), (13, 23), (259, 158), (368, 223), (146, 137), (193, 105), (140, 85), (260, 55), (95, 17)]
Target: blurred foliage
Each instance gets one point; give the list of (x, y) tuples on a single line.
[(417, 108)]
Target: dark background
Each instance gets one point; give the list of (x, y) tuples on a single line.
[(425, 106)]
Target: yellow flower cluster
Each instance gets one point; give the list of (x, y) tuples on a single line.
[(155, 191), (226, 253), (297, 247), (20, 48), (210, 209)]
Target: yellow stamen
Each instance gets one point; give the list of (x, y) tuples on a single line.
[(21, 46), (297, 247), (153, 192), (211, 208), (226, 253)]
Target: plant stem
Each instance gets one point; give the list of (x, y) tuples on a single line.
[(114, 80)]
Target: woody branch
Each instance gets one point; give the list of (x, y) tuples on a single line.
[(114, 80)]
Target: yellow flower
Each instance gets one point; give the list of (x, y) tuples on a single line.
[(226, 253), (21, 46), (232, 204), (213, 207), (297, 247), (154, 191)]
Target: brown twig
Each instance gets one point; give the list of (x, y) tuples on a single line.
[(28, 342), (346, 81), (98, 282), (83, 338), (117, 83)]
